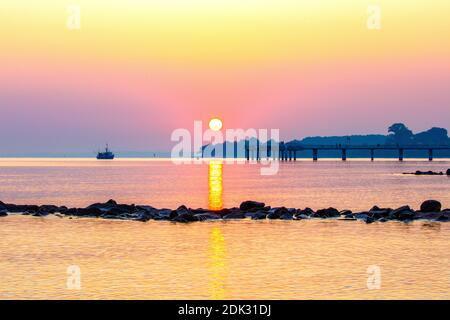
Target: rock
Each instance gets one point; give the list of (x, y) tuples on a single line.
[(287, 216), (394, 214), (426, 215), (248, 205), (346, 212), (406, 215), (260, 215), (381, 213), (448, 172), (369, 220), (166, 214), (426, 173), (111, 202), (327, 213), (279, 210), (443, 218), (3, 213), (300, 216), (273, 216), (361, 215), (382, 220), (234, 215), (306, 212), (88, 212), (185, 217), (430, 206), (207, 216)]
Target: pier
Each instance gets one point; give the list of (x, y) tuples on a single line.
[(289, 151)]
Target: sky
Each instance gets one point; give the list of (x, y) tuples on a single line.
[(136, 70)]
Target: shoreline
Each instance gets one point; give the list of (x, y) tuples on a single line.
[(430, 210)]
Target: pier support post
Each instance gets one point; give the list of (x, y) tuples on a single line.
[(295, 155), (372, 154), (290, 155), (344, 154), (235, 149), (257, 150), (315, 154), (247, 150), (400, 154), (430, 154)]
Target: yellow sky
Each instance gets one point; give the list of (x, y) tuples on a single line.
[(221, 31)]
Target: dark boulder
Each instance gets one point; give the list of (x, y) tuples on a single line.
[(448, 172), (327, 213), (287, 216), (273, 216), (279, 210), (207, 216), (185, 217), (346, 212), (260, 215), (426, 215), (88, 212), (394, 214), (361, 215), (301, 217), (443, 218), (3, 213), (234, 215), (249, 205), (430, 206), (306, 212), (369, 220)]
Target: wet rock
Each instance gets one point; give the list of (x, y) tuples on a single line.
[(327, 213), (394, 214), (207, 216), (382, 220), (273, 216), (165, 214), (426, 215), (306, 211), (346, 213), (448, 172), (361, 215), (430, 206), (278, 211), (443, 218), (185, 217), (249, 205), (3, 213), (381, 213), (301, 216), (369, 220), (287, 216), (88, 212), (425, 173), (234, 215), (260, 215)]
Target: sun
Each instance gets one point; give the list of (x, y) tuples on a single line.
[(215, 124)]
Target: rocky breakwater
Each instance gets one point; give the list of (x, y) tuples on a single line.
[(429, 210), (429, 173)]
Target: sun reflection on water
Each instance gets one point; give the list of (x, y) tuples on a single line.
[(217, 266), (215, 185)]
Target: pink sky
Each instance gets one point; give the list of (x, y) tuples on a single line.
[(71, 91)]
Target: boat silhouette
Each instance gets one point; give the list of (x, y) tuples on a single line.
[(106, 155)]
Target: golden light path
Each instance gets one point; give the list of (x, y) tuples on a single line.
[(217, 265), (215, 185)]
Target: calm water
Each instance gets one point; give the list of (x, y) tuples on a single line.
[(232, 259)]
